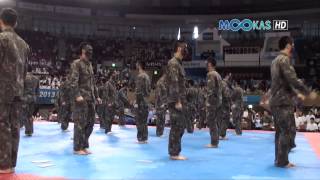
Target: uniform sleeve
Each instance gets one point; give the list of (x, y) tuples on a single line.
[(173, 85), (38, 87), (291, 77), (74, 80), (1, 51)]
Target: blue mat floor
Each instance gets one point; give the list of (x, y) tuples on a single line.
[(117, 156)]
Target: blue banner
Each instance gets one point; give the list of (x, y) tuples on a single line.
[(47, 96)]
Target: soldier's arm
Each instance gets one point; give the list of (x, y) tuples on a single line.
[(74, 80), (290, 75), (173, 85), (38, 87), (211, 88)]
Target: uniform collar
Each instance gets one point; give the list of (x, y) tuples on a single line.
[(179, 60), (282, 53), (8, 29)]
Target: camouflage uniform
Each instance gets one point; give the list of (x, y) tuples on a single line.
[(224, 116), (108, 96), (191, 97), (176, 91), (65, 108), (14, 54), (161, 104), (201, 108), (82, 84), (122, 102), (31, 92), (142, 92), (100, 108), (284, 86), (213, 104), (237, 108)]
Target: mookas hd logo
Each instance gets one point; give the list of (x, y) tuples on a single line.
[(250, 25)]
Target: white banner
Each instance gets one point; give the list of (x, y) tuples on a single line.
[(194, 64), (73, 10), (36, 7)]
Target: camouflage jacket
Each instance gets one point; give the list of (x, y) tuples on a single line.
[(14, 54), (82, 80), (161, 93), (214, 90), (176, 81), (285, 83), (226, 94), (237, 98), (107, 93), (65, 92), (143, 87), (192, 97), (31, 88)]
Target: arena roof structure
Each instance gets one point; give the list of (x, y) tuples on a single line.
[(183, 7)]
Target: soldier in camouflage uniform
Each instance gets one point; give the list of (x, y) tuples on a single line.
[(161, 104), (65, 109), (284, 86), (31, 92), (143, 88), (108, 95), (213, 102), (176, 99), (122, 102), (237, 108), (224, 118), (14, 53), (192, 95), (84, 94)]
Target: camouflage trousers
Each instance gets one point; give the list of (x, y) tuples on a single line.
[(190, 116), (28, 110), (283, 121), (65, 116), (108, 116), (84, 117), (100, 111), (160, 121), (237, 117), (202, 118), (212, 122), (142, 122), (10, 113), (223, 120), (120, 113), (177, 122)]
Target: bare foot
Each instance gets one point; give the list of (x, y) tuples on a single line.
[(6, 171), (81, 152), (289, 165), (142, 142), (87, 151), (211, 146), (181, 158)]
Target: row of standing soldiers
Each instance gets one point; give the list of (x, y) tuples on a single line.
[(114, 101), (195, 110)]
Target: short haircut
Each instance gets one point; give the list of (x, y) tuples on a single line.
[(142, 64), (83, 45), (177, 44), (212, 61), (284, 41), (9, 16)]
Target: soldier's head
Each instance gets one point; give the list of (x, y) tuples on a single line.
[(86, 51), (211, 63), (180, 49), (140, 65), (8, 18), (286, 45)]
